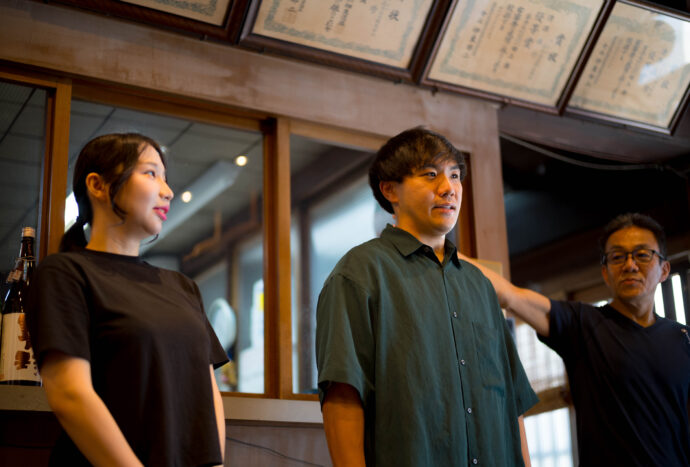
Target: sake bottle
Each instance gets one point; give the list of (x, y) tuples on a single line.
[(17, 360)]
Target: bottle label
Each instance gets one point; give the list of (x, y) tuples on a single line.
[(14, 275), (17, 360)]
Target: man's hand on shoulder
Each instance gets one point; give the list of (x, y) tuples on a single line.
[(528, 305)]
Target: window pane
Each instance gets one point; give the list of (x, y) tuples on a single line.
[(678, 298), (548, 438), (22, 147), (659, 302), (333, 211), (543, 366), (213, 233)]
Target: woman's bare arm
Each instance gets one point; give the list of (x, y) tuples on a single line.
[(82, 413)]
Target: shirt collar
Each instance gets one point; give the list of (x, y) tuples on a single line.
[(407, 244)]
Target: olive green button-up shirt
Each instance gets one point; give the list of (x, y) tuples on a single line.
[(428, 349)]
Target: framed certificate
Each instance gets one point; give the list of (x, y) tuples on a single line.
[(220, 19), (639, 71), (384, 37), (207, 11), (522, 52)]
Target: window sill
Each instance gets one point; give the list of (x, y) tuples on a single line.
[(237, 409)]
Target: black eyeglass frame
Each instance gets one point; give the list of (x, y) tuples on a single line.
[(604, 260)]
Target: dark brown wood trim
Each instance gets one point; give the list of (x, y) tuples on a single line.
[(466, 231), (55, 167), (174, 105), (55, 161), (228, 31), (277, 279)]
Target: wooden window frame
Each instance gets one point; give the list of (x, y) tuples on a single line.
[(276, 206), (54, 166)]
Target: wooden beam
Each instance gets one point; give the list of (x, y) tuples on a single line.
[(343, 137)]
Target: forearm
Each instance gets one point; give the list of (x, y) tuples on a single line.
[(92, 428), (220, 414), (523, 442), (343, 421), (82, 413), (528, 305), (531, 307)]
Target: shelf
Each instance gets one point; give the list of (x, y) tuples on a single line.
[(241, 409)]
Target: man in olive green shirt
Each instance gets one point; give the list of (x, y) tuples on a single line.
[(416, 363)]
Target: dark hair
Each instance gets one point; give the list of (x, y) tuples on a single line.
[(113, 157), (633, 219), (405, 153)]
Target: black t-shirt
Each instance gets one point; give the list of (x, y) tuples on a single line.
[(145, 333), (630, 385)]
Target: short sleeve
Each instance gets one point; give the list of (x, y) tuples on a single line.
[(57, 311), (563, 328), (218, 355), (525, 396), (344, 337)]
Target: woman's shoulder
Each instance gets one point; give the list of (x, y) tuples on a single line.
[(63, 259)]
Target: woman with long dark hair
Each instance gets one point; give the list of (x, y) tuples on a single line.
[(124, 348)]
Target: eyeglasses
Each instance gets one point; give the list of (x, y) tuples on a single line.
[(639, 255)]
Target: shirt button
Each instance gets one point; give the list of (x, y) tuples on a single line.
[(469, 410), (462, 362), (475, 461), (455, 314)]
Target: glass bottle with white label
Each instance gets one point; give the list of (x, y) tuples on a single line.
[(17, 360)]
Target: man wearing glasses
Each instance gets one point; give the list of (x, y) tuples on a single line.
[(629, 368)]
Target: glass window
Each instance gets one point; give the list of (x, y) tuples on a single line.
[(674, 296), (544, 368), (250, 300), (333, 211), (659, 302), (548, 439), (213, 233), (22, 149), (678, 298)]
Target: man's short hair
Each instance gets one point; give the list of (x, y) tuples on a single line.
[(407, 152), (637, 220)]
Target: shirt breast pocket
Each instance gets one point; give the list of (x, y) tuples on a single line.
[(487, 345)]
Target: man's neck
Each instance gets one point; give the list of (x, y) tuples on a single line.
[(437, 243), (641, 313)]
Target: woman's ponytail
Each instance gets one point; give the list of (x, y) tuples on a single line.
[(74, 238)]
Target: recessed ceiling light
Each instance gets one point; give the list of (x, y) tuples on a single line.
[(186, 196), (241, 160)]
